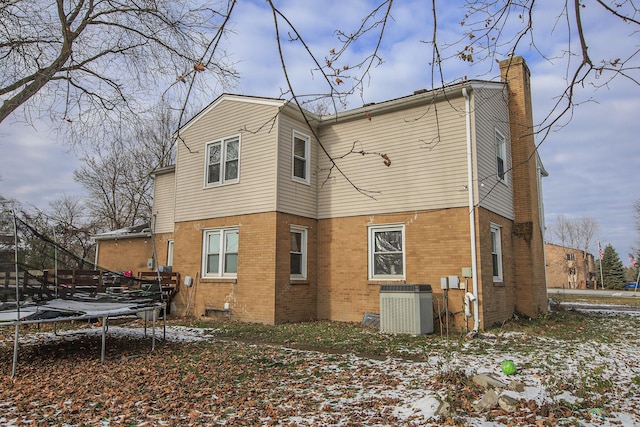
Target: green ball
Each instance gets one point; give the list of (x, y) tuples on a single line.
[(508, 367)]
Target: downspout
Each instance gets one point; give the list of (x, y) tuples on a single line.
[(95, 259), (472, 211)]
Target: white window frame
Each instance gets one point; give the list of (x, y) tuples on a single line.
[(496, 252), (170, 246), (501, 155), (224, 144), (303, 252), (306, 158), (222, 234), (372, 230)]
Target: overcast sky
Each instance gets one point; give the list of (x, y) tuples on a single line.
[(593, 161)]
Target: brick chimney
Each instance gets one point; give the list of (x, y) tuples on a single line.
[(528, 241)]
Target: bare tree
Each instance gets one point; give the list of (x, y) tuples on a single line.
[(73, 228), (92, 63), (94, 59), (118, 175), (495, 29)]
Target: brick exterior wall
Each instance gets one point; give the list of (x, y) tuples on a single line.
[(437, 245), (250, 296), (296, 300), (528, 243), (125, 254), (132, 253), (262, 291), (497, 299)]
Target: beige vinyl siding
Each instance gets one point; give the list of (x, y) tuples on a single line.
[(296, 197), (255, 191), (490, 112), (428, 161), (164, 190)]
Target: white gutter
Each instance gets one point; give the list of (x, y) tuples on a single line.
[(472, 211)]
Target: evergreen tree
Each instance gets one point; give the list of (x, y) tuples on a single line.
[(613, 272)]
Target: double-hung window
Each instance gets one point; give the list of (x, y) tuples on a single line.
[(220, 253), (501, 155), (300, 158), (298, 253), (386, 252), (223, 161), (496, 253)]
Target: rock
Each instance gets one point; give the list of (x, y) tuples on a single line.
[(489, 399), (508, 403), (445, 409), (516, 386), (488, 381)]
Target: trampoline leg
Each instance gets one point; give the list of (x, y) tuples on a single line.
[(104, 336), (153, 338), (146, 318), (15, 351)]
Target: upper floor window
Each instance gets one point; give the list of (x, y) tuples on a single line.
[(298, 253), (300, 158), (501, 154), (386, 252), (496, 252), (220, 253), (223, 161), (570, 256)]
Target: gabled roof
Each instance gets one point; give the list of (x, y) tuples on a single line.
[(419, 96), (274, 102)]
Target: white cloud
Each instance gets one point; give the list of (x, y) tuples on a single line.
[(36, 169)]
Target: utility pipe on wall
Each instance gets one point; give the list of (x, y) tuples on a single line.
[(472, 211)]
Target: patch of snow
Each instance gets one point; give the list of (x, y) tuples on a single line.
[(426, 407)]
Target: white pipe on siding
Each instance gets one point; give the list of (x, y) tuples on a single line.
[(472, 211)]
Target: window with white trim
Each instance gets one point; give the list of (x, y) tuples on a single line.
[(220, 253), (300, 163), (298, 253), (170, 252), (386, 252), (223, 161), (501, 155), (496, 252)]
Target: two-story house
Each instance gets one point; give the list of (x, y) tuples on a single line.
[(280, 215)]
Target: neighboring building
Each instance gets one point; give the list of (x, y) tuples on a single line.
[(267, 225), (569, 268), (128, 248)]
